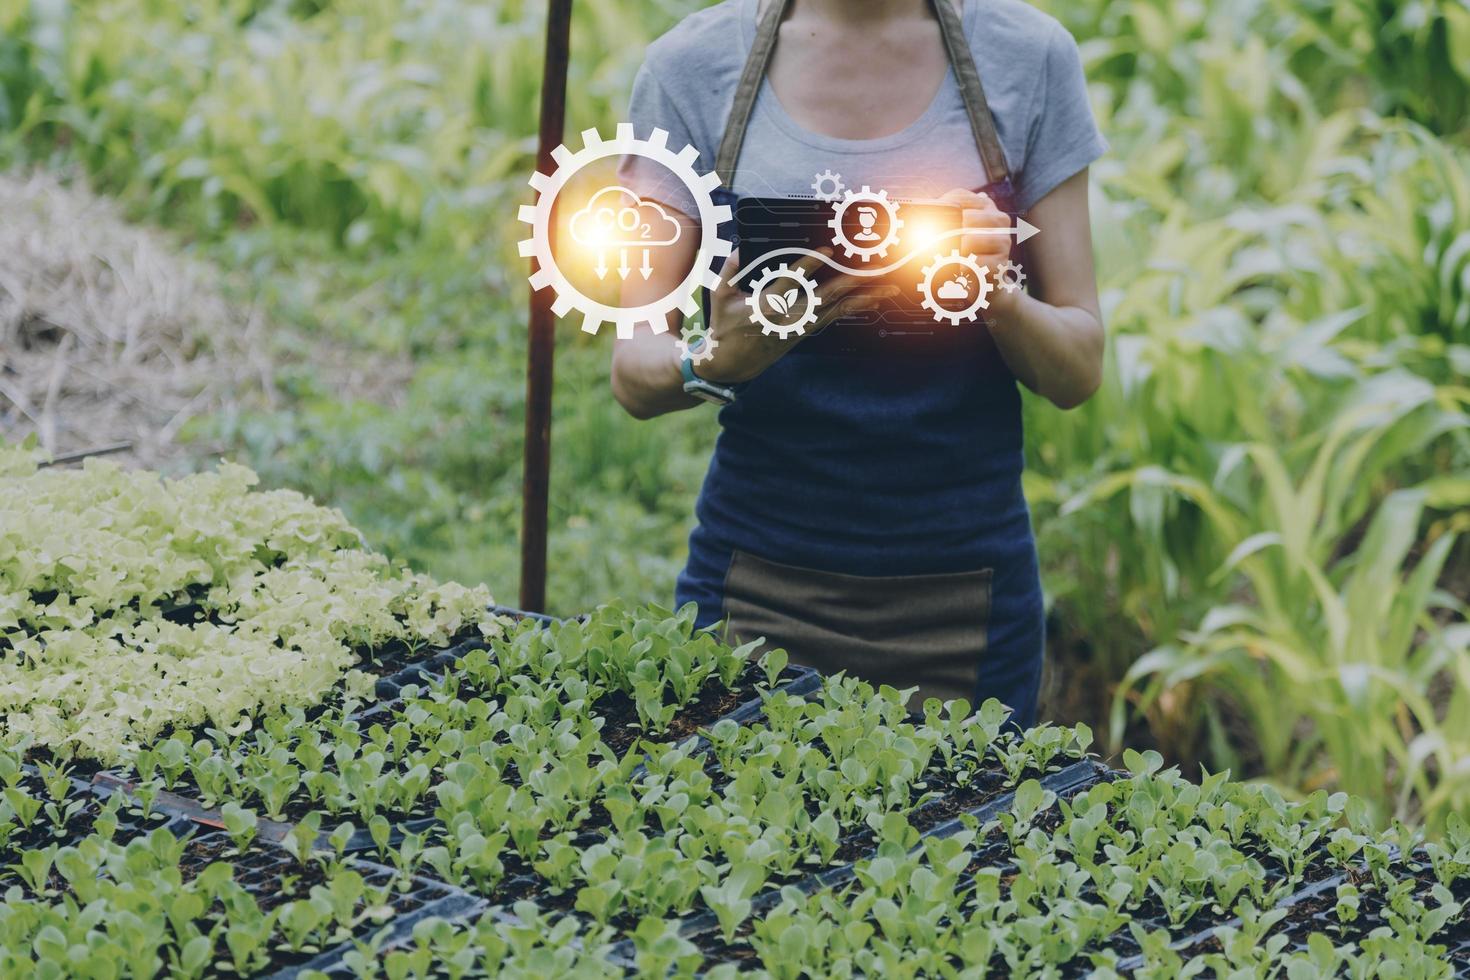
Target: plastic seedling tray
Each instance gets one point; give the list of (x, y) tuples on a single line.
[(259, 871), (1320, 901), (432, 667), (796, 681), (130, 824), (449, 907), (80, 824), (268, 831), (107, 782), (1065, 783), (1193, 941), (428, 667), (515, 613)]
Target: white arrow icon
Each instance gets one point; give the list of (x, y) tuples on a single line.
[(1023, 230)]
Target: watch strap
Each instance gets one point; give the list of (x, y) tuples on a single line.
[(700, 388)]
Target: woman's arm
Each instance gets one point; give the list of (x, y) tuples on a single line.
[(1051, 340), (646, 379), (646, 376)]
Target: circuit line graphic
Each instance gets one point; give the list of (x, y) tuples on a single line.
[(1022, 231)]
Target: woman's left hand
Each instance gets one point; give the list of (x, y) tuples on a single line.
[(989, 250)]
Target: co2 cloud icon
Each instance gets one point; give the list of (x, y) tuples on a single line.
[(617, 218)]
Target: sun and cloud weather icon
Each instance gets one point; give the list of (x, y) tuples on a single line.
[(956, 288), (617, 219)]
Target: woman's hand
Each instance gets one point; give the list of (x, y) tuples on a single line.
[(1052, 336), (989, 250), (743, 351)]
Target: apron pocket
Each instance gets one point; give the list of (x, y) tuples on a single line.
[(925, 631)]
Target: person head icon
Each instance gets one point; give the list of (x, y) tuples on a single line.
[(867, 217)]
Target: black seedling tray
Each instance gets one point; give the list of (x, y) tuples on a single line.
[(79, 829), (1320, 896), (796, 681), (1065, 783), (429, 667), (449, 907), (260, 868), (1200, 936), (541, 618), (80, 824), (433, 665)]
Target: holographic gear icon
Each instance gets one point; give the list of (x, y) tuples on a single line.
[(1010, 276), (980, 300), (867, 197), (687, 339), (828, 186), (805, 285), (568, 297)]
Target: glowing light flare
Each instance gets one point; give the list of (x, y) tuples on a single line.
[(578, 259), (922, 233)]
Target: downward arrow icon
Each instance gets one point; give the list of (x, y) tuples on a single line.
[(623, 269), (645, 268)]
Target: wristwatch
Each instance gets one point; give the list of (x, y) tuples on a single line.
[(715, 394)]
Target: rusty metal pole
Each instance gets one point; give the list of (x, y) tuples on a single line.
[(536, 481)]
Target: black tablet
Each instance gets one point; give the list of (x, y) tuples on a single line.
[(772, 231)]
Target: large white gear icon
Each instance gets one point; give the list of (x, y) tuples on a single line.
[(828, 186), (982, 292), (568, 296), (1010, 275), (757, 293), (865, 196), (685, 343)]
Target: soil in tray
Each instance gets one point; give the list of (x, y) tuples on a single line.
[(1151, 912), (395, 655), (738, 950), (1317, 913), (713, 702), (522, 881), (273, 878), (619, 733), (131, 824)]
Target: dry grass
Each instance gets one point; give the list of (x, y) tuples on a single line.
[(107, 335)]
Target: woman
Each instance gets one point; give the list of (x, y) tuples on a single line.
[(863, 508)]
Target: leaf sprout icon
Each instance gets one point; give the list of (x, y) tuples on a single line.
[(956, 288), (782, 302)]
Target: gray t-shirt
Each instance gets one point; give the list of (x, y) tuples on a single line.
[(1028, 64)]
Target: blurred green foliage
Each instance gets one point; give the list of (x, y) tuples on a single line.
[(1250, 534)]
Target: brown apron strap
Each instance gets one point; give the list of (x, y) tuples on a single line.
[(982, 123), (748, 89), (951, 27)]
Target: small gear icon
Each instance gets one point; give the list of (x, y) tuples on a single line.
[(871, 200), (828, 186), (568, 296), (1010, 276), (685, 342), (960, 287), (783, 302)]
